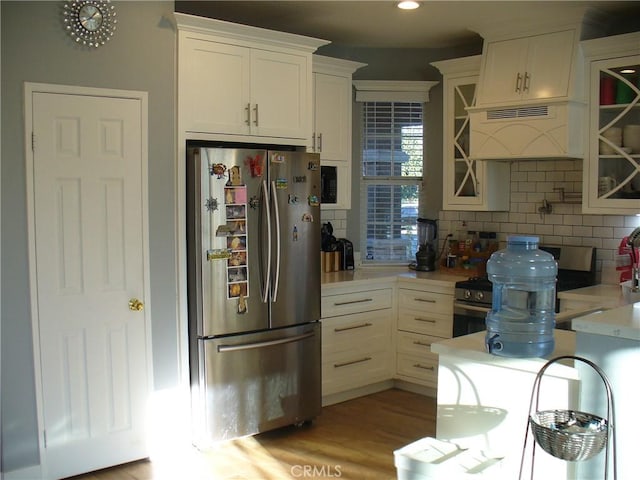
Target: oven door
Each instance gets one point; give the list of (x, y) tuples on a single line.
[(468, 318)]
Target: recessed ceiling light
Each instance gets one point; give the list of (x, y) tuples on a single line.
[(408, 5), (628, 70)]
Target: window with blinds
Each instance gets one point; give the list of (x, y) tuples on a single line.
[(392, 162)]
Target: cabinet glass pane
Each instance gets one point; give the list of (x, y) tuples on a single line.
[(465, 178), (619, 132)]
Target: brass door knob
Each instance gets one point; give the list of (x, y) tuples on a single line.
[(135, 305)]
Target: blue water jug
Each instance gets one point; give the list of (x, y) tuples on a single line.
[(522, 316)]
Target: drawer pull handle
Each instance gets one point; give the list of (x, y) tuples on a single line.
[(417, 365), (343, 329), (422, 344), (352, 362), (364, 300), (428, 320), (426, 300)]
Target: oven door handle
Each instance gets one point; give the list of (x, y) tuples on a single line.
[(473, 308)]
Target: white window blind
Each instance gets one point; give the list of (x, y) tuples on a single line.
[(392, 163)]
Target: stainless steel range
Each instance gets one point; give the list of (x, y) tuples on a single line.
[(472, 297)]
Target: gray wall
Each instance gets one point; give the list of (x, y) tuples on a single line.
[(35, 48)]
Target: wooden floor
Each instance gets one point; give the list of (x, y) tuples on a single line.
[(352, 440)]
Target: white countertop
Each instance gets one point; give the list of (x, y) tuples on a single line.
[(472, 347), (622, 322), (611, 294), (377, 273)]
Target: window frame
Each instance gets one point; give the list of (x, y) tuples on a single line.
[(391, 92)]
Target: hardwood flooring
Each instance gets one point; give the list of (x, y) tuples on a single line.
[(353, 440)]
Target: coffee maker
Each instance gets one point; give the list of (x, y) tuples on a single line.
[(426, 254)]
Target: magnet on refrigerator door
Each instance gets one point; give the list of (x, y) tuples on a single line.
[(218, 170)]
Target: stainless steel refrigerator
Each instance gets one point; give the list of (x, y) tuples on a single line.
[(253, 247)]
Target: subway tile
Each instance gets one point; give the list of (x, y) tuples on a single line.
[(483, 216), (518, 176), (518, 197), (554, 219), (541, 229), (500, 216), (573, 176), (573, 219), (553, 240), (564, 209), (613, 220), (340, 214), (593, 220), (525, 228), (517, 217), (536, 176), (592, 242), (575, 241), (619, 232), (527, 166), (535, 197), (533, 218), (603, 232), (545, 187), (563, 230), (582, 231), (526, 186)]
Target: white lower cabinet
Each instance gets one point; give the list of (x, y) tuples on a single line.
[(425, 316), (357, 346)]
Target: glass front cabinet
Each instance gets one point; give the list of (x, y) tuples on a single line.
[(466, 182), (612, 172)]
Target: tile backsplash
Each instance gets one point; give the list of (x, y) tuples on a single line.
[(533, 182)]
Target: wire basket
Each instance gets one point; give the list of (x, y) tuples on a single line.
[(569, 435)]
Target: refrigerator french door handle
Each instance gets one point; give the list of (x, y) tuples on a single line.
[(267, 278), (267, 343), (276, 212)]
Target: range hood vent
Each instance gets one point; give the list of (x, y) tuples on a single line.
[(521, 112)]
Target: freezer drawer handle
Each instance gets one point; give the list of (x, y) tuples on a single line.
[(268, 343), (352, 362), (344, 329), (421, 344), (427, 300), (364, 300), (417, 365), (428, 320)]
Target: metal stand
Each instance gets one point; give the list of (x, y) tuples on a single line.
[(610, 440)]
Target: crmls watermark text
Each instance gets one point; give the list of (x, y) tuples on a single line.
[(316, 471)]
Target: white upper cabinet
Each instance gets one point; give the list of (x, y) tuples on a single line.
[(530, 68), (611, 173), (332, 126), (241, 82), (331, 136), (468, 184)]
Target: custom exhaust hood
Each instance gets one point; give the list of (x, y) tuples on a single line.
[(530, 100)]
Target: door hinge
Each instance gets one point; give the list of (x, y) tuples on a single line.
[(33, 142)]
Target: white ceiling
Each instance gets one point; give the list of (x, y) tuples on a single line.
[(379, 24)]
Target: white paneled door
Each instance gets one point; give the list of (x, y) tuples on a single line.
[(89, 273)]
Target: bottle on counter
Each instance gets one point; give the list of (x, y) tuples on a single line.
[(522, 316)]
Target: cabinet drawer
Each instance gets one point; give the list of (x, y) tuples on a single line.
[(415, 344), (419, 367), (347, 303), (360, 331), (438, 325), (349, 370), (425, 301)]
